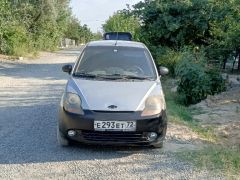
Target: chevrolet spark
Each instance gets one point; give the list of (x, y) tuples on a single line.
[(113, 97)]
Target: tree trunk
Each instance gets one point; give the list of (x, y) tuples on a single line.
[(224, 63), (238, 56)]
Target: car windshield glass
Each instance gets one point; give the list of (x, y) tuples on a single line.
[(117, 62)]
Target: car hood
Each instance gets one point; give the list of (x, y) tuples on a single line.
[(113, 95)]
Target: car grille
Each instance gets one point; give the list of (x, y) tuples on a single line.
[(125, 137)]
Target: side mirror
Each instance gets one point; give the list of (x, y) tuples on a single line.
[(67, 68), (163, 71)]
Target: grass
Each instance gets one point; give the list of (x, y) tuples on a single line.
[(180, 114), (224, 159)]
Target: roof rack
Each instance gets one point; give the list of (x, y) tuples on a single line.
[(125, 36)]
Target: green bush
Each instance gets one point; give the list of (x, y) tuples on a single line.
[(217, 83), (14, 40), (196, 80)]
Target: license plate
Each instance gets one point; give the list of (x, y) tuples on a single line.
[(115, 125)]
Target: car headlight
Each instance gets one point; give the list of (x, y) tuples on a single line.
[(72, 103), (153, 106)]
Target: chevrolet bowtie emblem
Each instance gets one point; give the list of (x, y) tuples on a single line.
[(112, 107)]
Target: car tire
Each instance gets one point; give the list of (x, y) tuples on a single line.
[(158, 145), (62, 140)]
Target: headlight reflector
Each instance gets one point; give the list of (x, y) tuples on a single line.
[(72, 103), (153, 106)]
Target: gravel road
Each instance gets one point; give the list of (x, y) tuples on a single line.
[(30, 91)]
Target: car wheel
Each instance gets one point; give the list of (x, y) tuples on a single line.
[(62, 140), (158, 145)]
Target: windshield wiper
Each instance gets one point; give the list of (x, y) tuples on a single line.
[(111, 76), (137, 77), (119, 76), (84, 75), (102, 76)]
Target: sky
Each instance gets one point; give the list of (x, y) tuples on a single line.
[(95, 12)]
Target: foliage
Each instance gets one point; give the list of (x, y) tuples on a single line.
[(14, 40), (81, 34), (122, 22), (174, 23), (28, 26), (168, 57), (225, 28), (217, 84), (197, 80), (86, 34), (97, 36), (73, 29), (194, 82), (214, 24)]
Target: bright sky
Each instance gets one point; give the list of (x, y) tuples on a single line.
[(95, 12)]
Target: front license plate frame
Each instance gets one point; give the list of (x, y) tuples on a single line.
[(129, 126)]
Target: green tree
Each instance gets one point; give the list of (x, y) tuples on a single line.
[(81, 34), (13, 33), (86, 34), (73, 30), (30, 25), (122, 22), (97, 36), (210, 24), (226, 30), (174, 23)]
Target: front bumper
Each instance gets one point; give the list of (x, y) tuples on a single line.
[(85, 133)]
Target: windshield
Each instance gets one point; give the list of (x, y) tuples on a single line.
[(128, 62)]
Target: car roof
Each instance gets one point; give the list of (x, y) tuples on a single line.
[(117, 43)]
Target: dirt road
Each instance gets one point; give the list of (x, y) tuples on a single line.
[(30, 91)]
